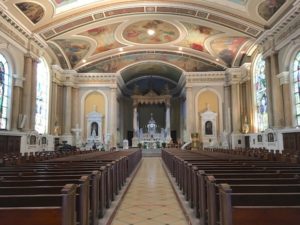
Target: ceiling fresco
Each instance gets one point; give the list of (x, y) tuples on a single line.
[(117, 63), (104, 36), (34, 12), (227, 47), (163, 32), (60, 56), (191, 34), (196, 36), (269, 7), (74, 49)]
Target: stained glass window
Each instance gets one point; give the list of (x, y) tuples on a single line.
[(42, 98), (296, 81), (5, 86), (261, 94)]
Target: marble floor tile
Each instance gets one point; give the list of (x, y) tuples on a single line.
[(150, 199)]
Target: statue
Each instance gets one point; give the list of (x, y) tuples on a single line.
[(94, 132)]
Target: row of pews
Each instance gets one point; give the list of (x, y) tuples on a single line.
[(77, 189), (236, 190), (16, 159), (273, 155)]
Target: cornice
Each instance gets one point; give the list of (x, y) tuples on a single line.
[(19, 29), (203, 78), (281, 30), (233, 76)]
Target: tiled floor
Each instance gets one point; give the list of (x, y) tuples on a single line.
[(150, 199)]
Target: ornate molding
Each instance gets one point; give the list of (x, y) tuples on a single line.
[(151, 98), (18, 80), (284, 77), (19, 30), (284, 31), (233, 76), (194, 78)]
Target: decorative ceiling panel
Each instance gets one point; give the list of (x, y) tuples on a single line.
[(74, 49), (104, 36), (227, 47), (269, 7), (116, 63), (34, 12), (196, 36), (162, 32)]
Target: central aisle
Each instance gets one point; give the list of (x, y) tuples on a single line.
[(150, 199)]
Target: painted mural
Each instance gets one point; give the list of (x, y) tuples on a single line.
[(227, 47), (269, 7), (34, 12), (105, 38), (74, 49), (59, 55), (116, 63), (163, 32), (196, 37)]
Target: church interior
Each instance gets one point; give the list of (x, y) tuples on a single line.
[(210, 90)]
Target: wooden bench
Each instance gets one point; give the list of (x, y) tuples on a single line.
[(50, 209), (258, 208)]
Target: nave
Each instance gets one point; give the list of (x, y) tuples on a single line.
[(150, 199)]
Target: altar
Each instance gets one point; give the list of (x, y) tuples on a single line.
[(151, 136), (152, 139)]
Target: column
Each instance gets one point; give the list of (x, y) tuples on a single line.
[(168, 121), (188, 117), (54, 117), (68, 110), (278, 115), (17, 96), (227, 108), (135, 126), (235, 108), (27, 91), (75, 108), (286, 93), (113, 114), (33, 94)]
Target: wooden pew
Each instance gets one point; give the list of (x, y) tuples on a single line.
[(258, 208), (54, 209)]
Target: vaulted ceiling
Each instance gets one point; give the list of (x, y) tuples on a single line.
[(108, 36)]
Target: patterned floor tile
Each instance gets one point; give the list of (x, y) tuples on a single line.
[(150, 199)]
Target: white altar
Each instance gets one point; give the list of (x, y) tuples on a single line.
[(152, 139)]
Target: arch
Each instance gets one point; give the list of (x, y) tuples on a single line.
[(82, 103), (6, 86), (294, 81), (220, 101)]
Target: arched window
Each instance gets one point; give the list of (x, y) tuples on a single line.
[(261, 94), (5, 89), (42, 97), (296, 82)]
